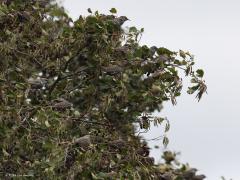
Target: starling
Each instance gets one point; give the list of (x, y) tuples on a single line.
[(117, 143), (164, 58), (153, 50), (112, 70), (120, 20), (199, 177), (167, 176), (107, 17), (83, 141), (190, 173), (7, 2), (23, 16), (61, 104), (37, 83), (149, 160), (144, 150), (121, 51)]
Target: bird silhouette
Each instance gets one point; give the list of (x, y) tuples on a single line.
[(120, 20)]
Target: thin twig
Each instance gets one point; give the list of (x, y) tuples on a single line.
[(92, 122), (23, 53)]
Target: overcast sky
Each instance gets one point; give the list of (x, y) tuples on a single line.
[(207, 133)]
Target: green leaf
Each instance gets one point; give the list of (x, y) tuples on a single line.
[(167, 127), (194, 80), (94, 176), (165, 141), (113, 10), (200, 73), (133, 29), (47, 124), (5, 153), (162, 51)]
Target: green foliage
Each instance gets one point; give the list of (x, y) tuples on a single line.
[(113, 10), (70, 93)]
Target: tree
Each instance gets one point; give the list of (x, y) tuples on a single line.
[(73, 93)]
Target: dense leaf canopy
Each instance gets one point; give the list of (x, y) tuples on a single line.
[(73, 95)]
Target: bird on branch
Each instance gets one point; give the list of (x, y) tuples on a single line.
[(120, 20), (37, 83), (61, 104)]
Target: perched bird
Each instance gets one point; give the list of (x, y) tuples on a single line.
[(112, 69), (149, 160), (77, 62), (121, 51), (106, 17), (190, 173), (157, 73), (37, 83), (199, 177), (35, 89), (23, 16), (61, 104), (7, 2), (144, 150), (153, 50), (114, 27), (120, 20), (167, 176), (164, 58), (83, 142), (119, 143)]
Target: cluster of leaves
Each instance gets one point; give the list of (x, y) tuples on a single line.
[(70, 93)]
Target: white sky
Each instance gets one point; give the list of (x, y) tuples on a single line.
[(206, 133)]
